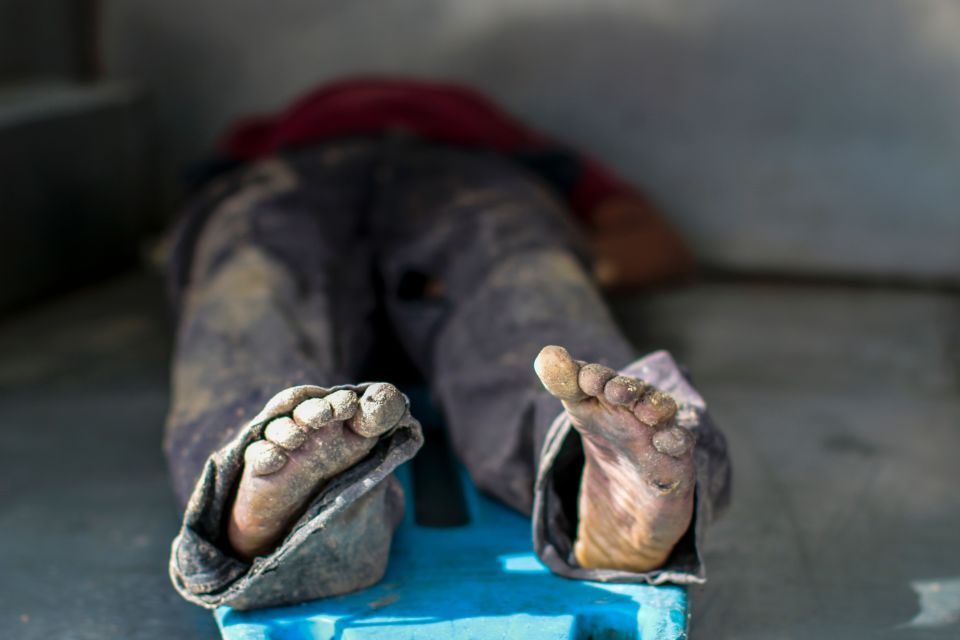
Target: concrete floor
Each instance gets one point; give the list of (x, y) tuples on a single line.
[(842, 407)]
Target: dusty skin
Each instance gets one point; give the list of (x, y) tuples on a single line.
[(636, 494), (299, 453)]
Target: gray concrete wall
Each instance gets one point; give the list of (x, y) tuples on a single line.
[(819, 136), (75, 185), (42, 38)]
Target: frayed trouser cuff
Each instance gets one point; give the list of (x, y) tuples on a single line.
[(554, 528), (340, 544)]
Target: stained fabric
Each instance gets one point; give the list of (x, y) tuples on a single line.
[(279, 270)]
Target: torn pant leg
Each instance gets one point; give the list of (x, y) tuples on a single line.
[(272, 281), (508, 276)]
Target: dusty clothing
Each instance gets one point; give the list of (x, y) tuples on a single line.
[(279, 270)]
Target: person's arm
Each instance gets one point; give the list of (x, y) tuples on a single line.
[(634, 245)]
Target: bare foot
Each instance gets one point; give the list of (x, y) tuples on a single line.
[(636, 494), (299, 453)]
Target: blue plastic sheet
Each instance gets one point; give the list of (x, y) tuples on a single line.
[(481, 580)]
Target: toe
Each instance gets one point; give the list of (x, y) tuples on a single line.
[(675, 441), (313, 413), (285, 433), (655, 408), (286, 400), (594, 377), (380, 408), (344, 404), (559, 373), (622, 390), (264, 457)]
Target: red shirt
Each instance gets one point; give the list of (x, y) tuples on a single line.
[(445, 113)]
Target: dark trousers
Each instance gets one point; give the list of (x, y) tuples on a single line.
[(279, 273)]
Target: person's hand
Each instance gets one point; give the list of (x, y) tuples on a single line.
[(634, 246)]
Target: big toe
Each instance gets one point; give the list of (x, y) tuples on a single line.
[(559, 373), (380, 408)]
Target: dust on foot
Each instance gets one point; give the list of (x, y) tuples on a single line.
[(321, 438), (636, 493)]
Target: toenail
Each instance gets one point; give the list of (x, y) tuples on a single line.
[(594, 377), (264, 457), (381, 407), (286, 433), (313, 413), (622, 390), (656, 408), (674, 442), (285, 400), (343, 403)]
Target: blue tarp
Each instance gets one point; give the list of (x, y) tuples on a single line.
[(481, 580)]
